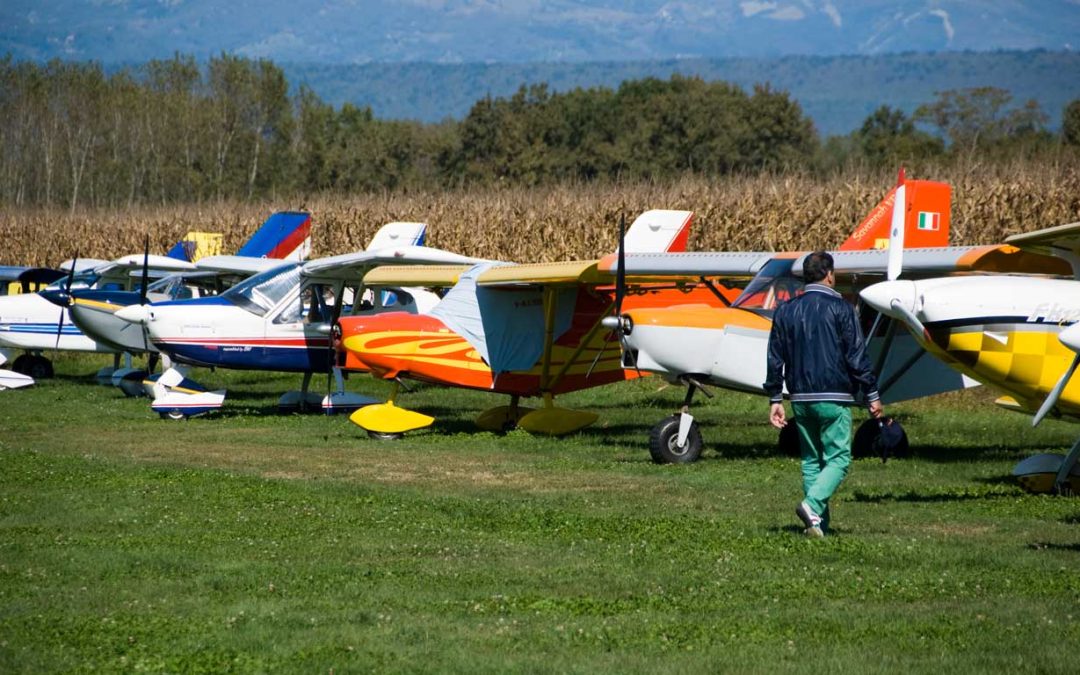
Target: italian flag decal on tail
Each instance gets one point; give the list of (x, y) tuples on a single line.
[(929, 220)]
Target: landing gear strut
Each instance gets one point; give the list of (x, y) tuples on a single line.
[(677, 439)]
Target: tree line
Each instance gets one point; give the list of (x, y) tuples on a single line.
[(176, 130)]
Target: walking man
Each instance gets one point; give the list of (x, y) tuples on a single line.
[(817, 348)]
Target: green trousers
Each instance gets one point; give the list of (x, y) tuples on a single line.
[(825, 441)]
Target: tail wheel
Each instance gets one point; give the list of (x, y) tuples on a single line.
[(664, 442)]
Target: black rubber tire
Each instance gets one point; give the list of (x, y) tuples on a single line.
[(863, 445), (662, 440), (174, 415), (379, 436), (21, 364), (39, 368), (787, 441)]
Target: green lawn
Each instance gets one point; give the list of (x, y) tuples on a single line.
[(249, 542)]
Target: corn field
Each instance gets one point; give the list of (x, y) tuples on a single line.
[(794, 211)]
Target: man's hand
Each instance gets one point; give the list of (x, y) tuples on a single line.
[(777, 416), (876, 410)]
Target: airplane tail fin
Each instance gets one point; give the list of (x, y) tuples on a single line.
[(926, 219), (196, 245), (659, 231), (286, 235), (398, 234)]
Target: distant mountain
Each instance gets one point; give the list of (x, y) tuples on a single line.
[(520, 31), (838, 92)]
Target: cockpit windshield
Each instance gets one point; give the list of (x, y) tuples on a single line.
[(264, 291), (773, 285), (84, 279)]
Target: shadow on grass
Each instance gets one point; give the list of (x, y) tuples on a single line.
[(930, 497), (1049, 546)]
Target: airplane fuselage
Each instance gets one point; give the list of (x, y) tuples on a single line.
[(1000, 330), (29, 321)]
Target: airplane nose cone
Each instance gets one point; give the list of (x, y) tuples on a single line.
[(882, 296), (56, 296), (139, 314), (1070, 337)]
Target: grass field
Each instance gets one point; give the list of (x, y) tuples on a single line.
[(249, 542)]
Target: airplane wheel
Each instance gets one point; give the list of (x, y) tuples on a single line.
[(788, 441), (379, 436), (21, 364), (865, 443), (663, 441), (39, 368), (174, 415)]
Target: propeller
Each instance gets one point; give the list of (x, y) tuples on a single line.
[(145, 271), (66, 296), (616, 323), (143, 286), (896, 230), (1070, 337)]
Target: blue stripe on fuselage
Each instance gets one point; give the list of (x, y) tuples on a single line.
[(285, 359)]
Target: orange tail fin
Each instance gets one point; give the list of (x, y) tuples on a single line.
[(927, 221)]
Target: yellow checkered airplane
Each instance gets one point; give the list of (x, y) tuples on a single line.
[(1017, 333)]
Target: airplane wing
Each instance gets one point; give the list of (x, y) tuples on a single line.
[(922, 262), (668, 266), (1062, 241), (945, 260), (568, 273), (437, 276), (350, 266), (237, 264), (121, 268)]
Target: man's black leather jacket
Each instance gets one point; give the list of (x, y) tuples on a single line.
[(816, 346)]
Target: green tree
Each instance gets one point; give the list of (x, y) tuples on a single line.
[(1070, 123), (888, 137), (981, 117)]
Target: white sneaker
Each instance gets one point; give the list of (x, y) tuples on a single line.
[(811, 520)]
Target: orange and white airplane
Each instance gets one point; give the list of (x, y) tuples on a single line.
[(536, 330), (697, 345)]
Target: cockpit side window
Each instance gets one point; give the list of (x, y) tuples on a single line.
[(773, 285), (264, 291)]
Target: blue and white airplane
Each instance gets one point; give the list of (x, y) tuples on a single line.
[(280, 320), (34, 324)]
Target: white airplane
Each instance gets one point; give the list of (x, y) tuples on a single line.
[(39, 322), (284, 236), (280, 320), (1016, 333), (698, 346)]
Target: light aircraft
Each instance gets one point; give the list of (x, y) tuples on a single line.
[(280, 320), (285, 236), (517, 330), (34, 323), (15, 280), (698, 346), (1016, 333)]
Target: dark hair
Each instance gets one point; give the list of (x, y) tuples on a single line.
[(817, 266)]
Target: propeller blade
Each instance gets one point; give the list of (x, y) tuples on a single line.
[(1055, 393), (67, 293), (620, 271), (896, 234), (145, 271)]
